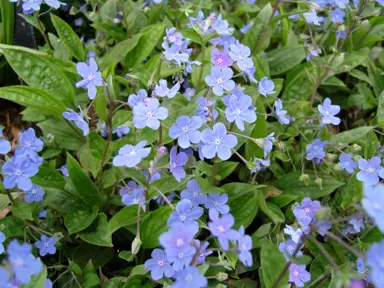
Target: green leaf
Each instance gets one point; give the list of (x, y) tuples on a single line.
[(291, 184), (255, 34), (353, 193), (23, 210), (282, 59), (49, 178), (259, 131), (126, 255), (153, 226), (224, 169), (243, 200), (376, 77), (69, 37), (272, 262), (89, 162), (125, 217), (32, 19), (7, 22), (119, 51), (97, 146), (97, 234), (380, 110), (12, 226), (64, 136), (131, 173), (350, 136), (33, 97), (37, 71), (85, 188), (37, 281), (148, 41), (271, 210), (91, 279), (166, 185), (80, 218)]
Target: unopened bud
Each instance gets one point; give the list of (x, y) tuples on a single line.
[(319, 182), (304, 178), (337, 167), (162, 150), (331, 157), (281, 146), (221, 276), (136, 246), (356, 148)]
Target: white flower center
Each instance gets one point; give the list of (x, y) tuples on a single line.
[(149, 115), (307, 210), (91, 77), (220, 228), (46, 244), (189, 278), (181, 255), (295, 273), (217, 141), (220, 60), (370, 169), (238, 112), (185, 129), (135, 201), (215, 203), (18, 172), (182, 217), (219, 80), (161, 263)]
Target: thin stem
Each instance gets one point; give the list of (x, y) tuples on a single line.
[(10, 197), (164, 197), (198, 86), (109, 138), (345, 245), (160, 134), (138, 221), (214, 171), (146, 195), (323, 251), (158, 72), (318, 280)]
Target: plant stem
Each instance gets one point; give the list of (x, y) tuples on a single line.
[(345, 245), (138, 221), (198, 86), (146, 195), (164, 197), (109, 137), (323, 251), (158, 72), (214, 171), (160, 135), (10, 198)]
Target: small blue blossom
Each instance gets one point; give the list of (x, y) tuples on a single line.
[(184, 213), (135, 197), (78, 119), (2, 239), (162, 89), (185, 130), (42, 214), (375, 256), (356, 224), (120, 131), (312, 18), (244, 247), (221, 26), (203, 252), (373, 203), (29, 143), (130, 156), (347, 163), (315, 150), (173, 36), (221, 59), (176, 163), (149, 114), (312, 53), (221, 228), (134, 99), (360, 265), (241, 54), (288, 248), (91, 75), (305, 213), (220, 80), (339, 3), (370, 170), (158, 265), (226, 41), (337, 16), (246, 28), (35, 194), (64, 170), (323, 226), (261, 164), (281, 113), (190, 277), (341, 34), (46, 245), (203, 111), (18, 171), (175, 53), (240, 109), (193, 193), (296, 234), (215, 201), (217, 141), (250, 74), (31, 5), (189, 93), (268, 144), (298, 275), (181, 258), (54, 3), (266, 87), (178, 238), (328, 112), (131, 185)]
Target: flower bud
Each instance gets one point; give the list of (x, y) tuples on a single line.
[(136, 246), (319, 182), (332, 157), (162, 150), (221, 276), (356, 148), (304, 178)]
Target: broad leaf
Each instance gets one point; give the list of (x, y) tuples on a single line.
[(125, 217), (97, 234), (80, 218), (153, 226)]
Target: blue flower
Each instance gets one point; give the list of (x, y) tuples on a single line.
[(135, 197), (250, 74), (120, 131), (370, 170), (175, 53), (2, 239), (42, 214), (337, 16), (78, 119), (173, 36), (347, 163), (22, 261), (29, 143), (134, 99), (339, 3), (356, 224), (158, 265), (220, 80), (91, 75), (298, 275), (185, 213), (203, 110), (241, 54), (54, 3), (261, 164), (375, 256), (244, 247), (360, 265), (373, 203), (178, 238), (35, 194), (18, 171), (268, 144), (288, 248), (185, 130), (328, 112), (312, 53), (217, 202), (280, 113), (266, 87), (181, 258), (149, 114), (315, 150), (203, 252), (240, 109), (31, 5), (305, 213), (46, 245), (312, 18), (5, 146), (130, 156), (190, 277), (193, 193), (323, 226), (162, 89), (64, 170), (217, 141), (246, 28), (221, 228), (176, 163), (221, 26)]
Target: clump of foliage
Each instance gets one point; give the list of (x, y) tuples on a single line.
[(194, 144)]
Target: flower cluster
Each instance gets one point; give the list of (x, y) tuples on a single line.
[(29, 6)]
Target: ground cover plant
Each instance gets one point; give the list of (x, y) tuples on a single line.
[(192, 144)]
